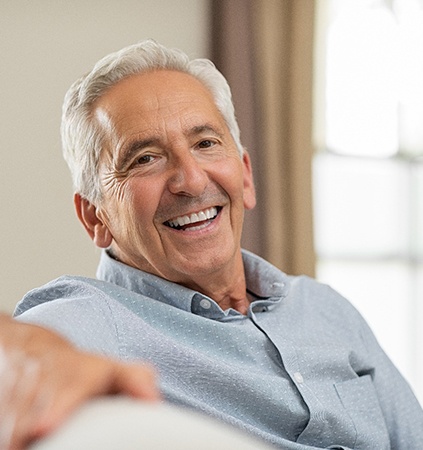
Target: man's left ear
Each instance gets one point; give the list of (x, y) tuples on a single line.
[(249, 189), (93, 222)]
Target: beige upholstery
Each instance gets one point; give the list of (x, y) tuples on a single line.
[(118, 423)]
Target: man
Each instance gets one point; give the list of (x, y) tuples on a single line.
[(162, 182)]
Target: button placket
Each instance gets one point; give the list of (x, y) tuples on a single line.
[(298, 377)]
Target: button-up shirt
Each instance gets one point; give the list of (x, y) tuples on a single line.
[(301, 369)]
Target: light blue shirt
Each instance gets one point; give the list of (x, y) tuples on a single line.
[(301, 370)]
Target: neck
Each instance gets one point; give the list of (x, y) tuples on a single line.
[(227, 287)]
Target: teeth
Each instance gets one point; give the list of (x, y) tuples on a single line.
[(193, 218)]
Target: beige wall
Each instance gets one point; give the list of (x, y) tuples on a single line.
[(44, 46)]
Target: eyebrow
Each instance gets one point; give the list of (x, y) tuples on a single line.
[(206, 128)]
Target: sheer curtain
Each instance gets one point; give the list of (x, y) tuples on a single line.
[(265, 49), (369, 167)]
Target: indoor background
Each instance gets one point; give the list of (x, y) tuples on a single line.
[(336, 145)]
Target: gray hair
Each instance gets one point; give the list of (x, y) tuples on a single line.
[(82, 139)]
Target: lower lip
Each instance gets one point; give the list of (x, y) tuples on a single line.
[(200, 227)]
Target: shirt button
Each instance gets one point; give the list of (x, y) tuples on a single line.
[(205, 304), (298, 377)]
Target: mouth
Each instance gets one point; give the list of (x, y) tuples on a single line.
[(195, 221)]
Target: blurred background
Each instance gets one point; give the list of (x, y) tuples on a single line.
[(329, 97)]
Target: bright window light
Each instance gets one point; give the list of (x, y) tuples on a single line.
[(368, 172)]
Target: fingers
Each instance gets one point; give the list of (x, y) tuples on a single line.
[(136, 381), (93, 376), (21, 398), (43, 378)]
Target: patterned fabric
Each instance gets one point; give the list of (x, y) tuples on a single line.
[(301, 370)]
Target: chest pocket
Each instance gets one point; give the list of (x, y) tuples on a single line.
[(359, 399)]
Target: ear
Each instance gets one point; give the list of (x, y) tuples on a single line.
[(249, 189), (90, 218)]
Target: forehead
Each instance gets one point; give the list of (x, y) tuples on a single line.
[(153, 99)]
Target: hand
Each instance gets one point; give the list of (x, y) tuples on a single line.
[(43, 378)]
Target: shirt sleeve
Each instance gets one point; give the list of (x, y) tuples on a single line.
[(402, 411), (76, 310)]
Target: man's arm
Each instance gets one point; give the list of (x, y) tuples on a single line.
[(43, 378)]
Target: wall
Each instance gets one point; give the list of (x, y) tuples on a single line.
[(44, 46)]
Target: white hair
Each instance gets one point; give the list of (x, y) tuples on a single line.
[(82, 139)]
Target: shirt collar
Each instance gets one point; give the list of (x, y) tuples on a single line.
[(144, 283), (265, 283)]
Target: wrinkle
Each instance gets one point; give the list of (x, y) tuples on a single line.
[(115, 184)]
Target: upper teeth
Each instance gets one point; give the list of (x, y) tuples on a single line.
[(193, 218)]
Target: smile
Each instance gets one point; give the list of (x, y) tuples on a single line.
[(194, 221)]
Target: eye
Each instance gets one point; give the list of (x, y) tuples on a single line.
[(207, 143), (144, 159)]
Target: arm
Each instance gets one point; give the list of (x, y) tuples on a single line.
[(43, 378)]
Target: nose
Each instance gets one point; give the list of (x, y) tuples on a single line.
[(187, 176)]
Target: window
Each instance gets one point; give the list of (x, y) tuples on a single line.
[(368, 169)]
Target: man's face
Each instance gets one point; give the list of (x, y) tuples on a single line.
[(174, 185)]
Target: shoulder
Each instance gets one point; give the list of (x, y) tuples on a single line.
[(315, 294), (78, 308), (71, 288), (316, 302)]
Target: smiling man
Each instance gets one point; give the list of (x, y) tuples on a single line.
[(162, 182), (174, 185)]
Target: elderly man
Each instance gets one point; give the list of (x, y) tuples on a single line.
[(162, 182)]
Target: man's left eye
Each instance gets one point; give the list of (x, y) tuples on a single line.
[(207, 143)]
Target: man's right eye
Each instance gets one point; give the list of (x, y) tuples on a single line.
[(145, 159)]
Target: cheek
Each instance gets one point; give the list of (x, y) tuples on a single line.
[(229, 176), (142, 199)]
